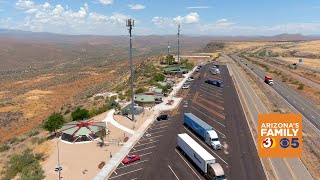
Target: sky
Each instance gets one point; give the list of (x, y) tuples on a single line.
[(161, 17)]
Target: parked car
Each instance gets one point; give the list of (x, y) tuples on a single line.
[(215, 82), (187, 83), (163, 117), (185, 86), (131, 158), (190, 78), (241, 60)]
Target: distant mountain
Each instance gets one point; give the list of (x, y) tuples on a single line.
[(150, 38)]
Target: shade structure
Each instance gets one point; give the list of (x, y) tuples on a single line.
[(79, 131)]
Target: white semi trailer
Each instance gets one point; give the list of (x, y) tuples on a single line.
[(204, 160)]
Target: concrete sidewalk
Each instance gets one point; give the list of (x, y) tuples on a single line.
[(111, 120), (125, 149)]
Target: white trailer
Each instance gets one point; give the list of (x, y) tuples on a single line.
[(204, 160)]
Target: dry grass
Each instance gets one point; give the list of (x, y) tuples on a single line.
[(312, 47), (307, 62)]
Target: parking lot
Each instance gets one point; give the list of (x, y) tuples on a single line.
[(219, 107)]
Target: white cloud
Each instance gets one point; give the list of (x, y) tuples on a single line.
[(106, 2), (198, 7), (25, 4), (61, 19), (136, 6), (191, 18)]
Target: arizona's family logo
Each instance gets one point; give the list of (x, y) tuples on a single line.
[(280, 135)]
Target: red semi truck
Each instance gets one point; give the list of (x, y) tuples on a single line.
[(268, 80)]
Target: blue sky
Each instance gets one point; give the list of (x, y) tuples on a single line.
[(197, 17)]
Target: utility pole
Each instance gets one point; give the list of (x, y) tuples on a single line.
[(130, 24), (178, 45)]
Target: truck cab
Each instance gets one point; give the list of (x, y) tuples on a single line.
[(268, 80), (215, 171), (213, 140)]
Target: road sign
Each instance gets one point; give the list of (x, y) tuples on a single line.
[(300, 60)]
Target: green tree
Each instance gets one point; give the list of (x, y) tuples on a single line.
[(80, 114), (54, 122), (170, 59), (101, 134), (158, 77)]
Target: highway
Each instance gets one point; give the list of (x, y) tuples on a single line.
[(220, 108), (301, 103), (284, 168)]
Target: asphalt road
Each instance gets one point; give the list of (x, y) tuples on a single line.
[(219, 107), (284, 168)]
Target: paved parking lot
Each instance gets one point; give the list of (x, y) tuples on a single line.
[(220, 108)]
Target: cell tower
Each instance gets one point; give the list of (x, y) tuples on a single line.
[(130, 24)]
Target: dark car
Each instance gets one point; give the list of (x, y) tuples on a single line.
[(163, 117), (215, 82)]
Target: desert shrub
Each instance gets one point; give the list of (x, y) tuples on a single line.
[(301, 86), (158, 77), (33, 133), (26, 164), (140, 90), (4, 148), (13, 140), (67, 111)]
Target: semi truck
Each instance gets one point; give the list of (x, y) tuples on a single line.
[(204, 130), (268, 80), (199, 156)]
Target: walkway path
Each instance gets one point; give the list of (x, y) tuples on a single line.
[(110, 119)]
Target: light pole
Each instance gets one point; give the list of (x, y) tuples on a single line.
[(168, 48), (130, 24), (58, 167), (178, 46)]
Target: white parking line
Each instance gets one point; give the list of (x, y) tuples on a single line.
[(133, 148), (115, 172), (187, 164), (173, 172), (157, 132), (151, 137), (158, 128), (146, 154), (312, 116), (134, 178), (146, 143), (208, 117), (132, 164), (207, 146), (161, 123), (143, 149), (122, 163), (126, 173)]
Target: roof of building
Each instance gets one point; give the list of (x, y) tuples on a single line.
[(161, 83), (158, 90), (144, 98)]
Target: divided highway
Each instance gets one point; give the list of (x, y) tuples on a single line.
[(284, 168), (220, 108)]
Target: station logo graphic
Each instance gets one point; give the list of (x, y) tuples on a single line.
[(280, 135)]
